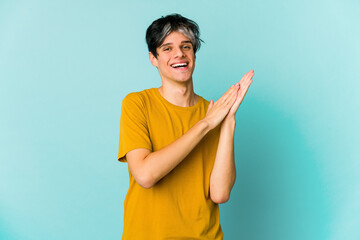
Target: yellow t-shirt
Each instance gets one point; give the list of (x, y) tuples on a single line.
[(179, 205)]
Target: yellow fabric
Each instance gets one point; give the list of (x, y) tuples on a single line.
[(179, 205)]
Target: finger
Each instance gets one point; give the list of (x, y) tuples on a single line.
[(243, 91), (232, 94), (228, 92), (245, 87), (241, 94), (232, 90), (237, 102), (247, 80), (243, 78), (250, 74), (232, 98), (247, 84), (210, 104), (246, 76)]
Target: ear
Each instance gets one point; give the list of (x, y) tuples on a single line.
[(153, 60)]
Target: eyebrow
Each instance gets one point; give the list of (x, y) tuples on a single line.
[(167, 44)]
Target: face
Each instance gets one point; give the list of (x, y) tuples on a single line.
[(176, 58)]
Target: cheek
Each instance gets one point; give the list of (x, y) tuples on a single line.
[(192, 56)]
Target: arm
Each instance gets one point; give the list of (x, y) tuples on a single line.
[(149, 167), (223, 175)]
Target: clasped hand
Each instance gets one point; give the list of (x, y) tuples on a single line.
[(227, 105)]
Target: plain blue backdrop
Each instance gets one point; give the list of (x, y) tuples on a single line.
[(65, 67)]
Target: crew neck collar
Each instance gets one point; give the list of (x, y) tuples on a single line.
[(157, 92)]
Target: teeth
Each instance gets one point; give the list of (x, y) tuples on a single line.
[(180, 65)]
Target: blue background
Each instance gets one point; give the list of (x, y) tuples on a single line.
[(65, 67)]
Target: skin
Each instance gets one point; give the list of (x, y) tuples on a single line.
[(177, 84), (177, 87)]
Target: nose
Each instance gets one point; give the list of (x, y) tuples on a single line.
[(179, 52)]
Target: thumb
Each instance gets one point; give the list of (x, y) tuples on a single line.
[(211, 104)]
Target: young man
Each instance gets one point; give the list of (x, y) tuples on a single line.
[(178, 146)]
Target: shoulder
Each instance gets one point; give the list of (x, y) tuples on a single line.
[(138, 98), (205, 103)]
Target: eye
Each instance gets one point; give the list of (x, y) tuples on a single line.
[(187, 47), (166, 49)]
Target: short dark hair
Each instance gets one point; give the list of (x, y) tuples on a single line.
[(162, 27)]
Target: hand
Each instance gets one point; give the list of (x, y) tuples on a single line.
[(244, 85), (217, 111)]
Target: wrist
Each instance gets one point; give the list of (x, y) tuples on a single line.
[(204, 126), (229, 121)]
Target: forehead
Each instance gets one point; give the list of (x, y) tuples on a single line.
[(174, 38)]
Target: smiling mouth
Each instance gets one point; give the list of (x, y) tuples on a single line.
[(179, 65)]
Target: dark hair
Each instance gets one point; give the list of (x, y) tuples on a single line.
[(162, 27)]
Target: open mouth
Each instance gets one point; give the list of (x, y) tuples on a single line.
[(180, 65)]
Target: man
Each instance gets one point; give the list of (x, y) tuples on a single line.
[(178, 146)]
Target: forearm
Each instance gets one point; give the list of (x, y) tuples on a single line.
[(159, 163), (223, 175)]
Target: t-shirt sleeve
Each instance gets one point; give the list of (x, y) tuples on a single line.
[(134, 131)]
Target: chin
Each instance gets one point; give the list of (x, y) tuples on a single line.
[(182, 79)]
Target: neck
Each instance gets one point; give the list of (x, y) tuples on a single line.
[(181, 95)]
